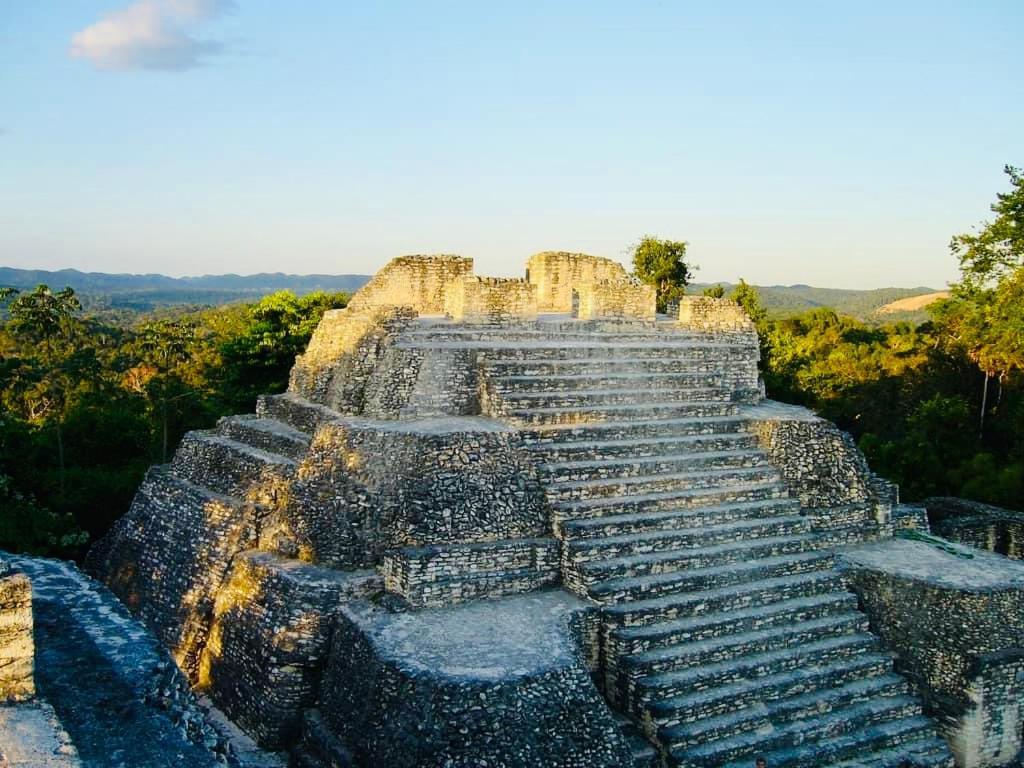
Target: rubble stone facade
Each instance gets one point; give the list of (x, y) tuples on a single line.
[(520, 523)]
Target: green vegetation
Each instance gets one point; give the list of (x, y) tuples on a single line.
[(662, 263), (918, 398), (89, 405)]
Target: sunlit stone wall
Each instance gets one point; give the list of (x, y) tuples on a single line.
[(491, 300), (557, 274), (622, 298), (16, 646)]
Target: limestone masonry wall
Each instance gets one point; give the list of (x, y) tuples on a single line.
[(956, 623), (369, 486), (491, 300), (978, 525), (166, 558), (418, 282), (17, 651), (704, 313), (823, 467), (557, 273), (522, 698), (268, 644), (621, 298), (339, 364)]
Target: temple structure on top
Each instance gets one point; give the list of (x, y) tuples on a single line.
[(530, 522)]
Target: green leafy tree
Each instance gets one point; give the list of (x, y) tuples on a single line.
[(984, 317), (52, 364), (662, 263), (747, 297), (166, 346), (715, 291)]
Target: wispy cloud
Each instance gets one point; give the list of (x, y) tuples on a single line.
[(151, 34)]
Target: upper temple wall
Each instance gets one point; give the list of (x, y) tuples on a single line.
[(555, 273), (419, 282)]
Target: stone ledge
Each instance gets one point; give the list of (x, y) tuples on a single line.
[(497, 682), (445, 575), (954, 616)]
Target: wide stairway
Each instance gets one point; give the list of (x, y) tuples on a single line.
[(727, 633)]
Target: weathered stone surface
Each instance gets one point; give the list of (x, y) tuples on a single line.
[(268, 643), (16, 645), (369, 486), (955, 617), (982, 526), (498, 683), (557, 275), (468, 460)]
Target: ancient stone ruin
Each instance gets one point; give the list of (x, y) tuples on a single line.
[(529, 522)]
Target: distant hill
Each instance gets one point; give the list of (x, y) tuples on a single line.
[(912, 303), (785, 300), (101, 291), (143, 293)]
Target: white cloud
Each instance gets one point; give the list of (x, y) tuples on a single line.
[(151, 34)]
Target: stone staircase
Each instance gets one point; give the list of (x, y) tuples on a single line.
[(727, 633)]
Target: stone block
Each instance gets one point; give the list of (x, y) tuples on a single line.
[(624, 298), (17, 650), (558, 275), (704, 313), (955, 618), (490, 300)]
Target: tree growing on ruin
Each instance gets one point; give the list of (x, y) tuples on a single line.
[(662, 263)]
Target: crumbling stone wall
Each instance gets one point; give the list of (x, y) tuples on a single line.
[(343, 354), (956, 623), (558, 274), (621, 298), (167, 557), (705, 313), (17, 651), (978, 525), (491, 300), (823, 467), (417, 282), (268, 643), (522, 698), (369, 486)]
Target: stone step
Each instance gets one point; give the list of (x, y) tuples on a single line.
[(668, 684), (734, 584), (717, 650), (580, 552), (646, 484), (763, 714), (630, 380), (267, 434), (675, 519), (666, 463), (502, 353), (542, 437), (592, 573), (588, 398), (851, 731), (443, 575), (855, 744), (228, 466), (687, 498), (644, 753), (622, 641), (586, 414), (295, 411), (629, 448), (927, 752), (593, 366), (710, 707), (554, 332)]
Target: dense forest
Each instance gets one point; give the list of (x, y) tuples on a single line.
[(89, 403)]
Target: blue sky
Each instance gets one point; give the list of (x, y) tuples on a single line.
[(835, 144)]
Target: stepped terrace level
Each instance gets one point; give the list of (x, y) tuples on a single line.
[(548, 462)]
